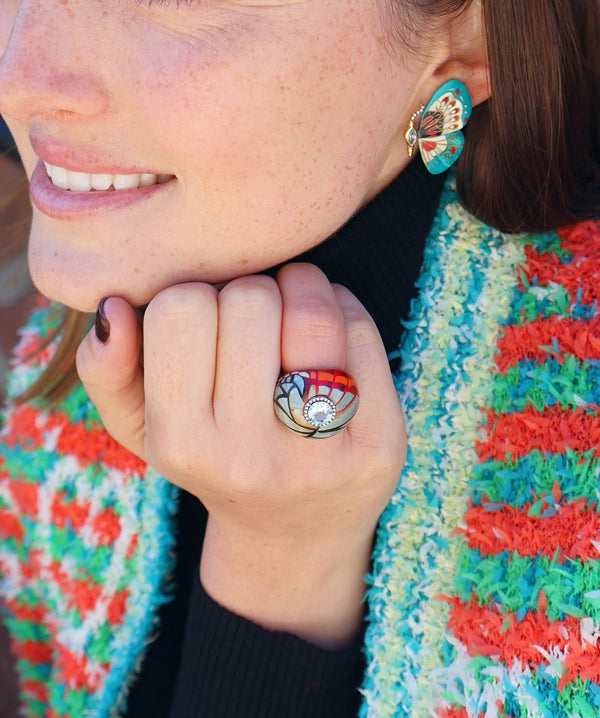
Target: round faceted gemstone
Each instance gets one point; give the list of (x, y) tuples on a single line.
[(319, 411)]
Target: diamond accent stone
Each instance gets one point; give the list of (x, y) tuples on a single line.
[(411, 136), (319, 411)]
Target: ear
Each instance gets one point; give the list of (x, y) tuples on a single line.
[(466, 54)]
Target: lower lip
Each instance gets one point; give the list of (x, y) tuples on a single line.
[(66, 204)]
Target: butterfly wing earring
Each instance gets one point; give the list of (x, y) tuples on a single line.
[(439, 123)]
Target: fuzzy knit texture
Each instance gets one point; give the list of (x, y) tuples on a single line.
[(85, 552), (484, 598)]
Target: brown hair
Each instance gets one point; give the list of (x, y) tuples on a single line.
[(531, 159), (15, 217), (532, 152)]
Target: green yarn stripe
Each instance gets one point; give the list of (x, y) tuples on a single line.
[(534, 475), (570, 382), (514, 582)]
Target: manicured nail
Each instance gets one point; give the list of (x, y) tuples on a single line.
[(102, 325)]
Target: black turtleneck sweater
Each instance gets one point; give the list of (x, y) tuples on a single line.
[(209, 663)]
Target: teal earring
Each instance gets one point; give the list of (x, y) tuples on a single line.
[(438, 126)]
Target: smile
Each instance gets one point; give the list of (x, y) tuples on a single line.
[(87, 182), (68, 195)]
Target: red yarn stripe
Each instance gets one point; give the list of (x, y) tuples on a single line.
[(578, 276), (570, 530), (37, 652), (23, 612), (117, 606), (105, 524), (10, 526), (21, 428), (25, 495), (554, 430), (95, 444), (458, 712), (80, 593), (485, 631), (549, 336), (35, 689), (581, 239), (73, 512), (87, 444), (74, 670)]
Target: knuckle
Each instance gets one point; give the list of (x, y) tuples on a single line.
[(360, 327), (179, 299), (315, 318), (249, 296), (170, 454), (360, 330)]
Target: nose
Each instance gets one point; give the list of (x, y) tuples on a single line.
[(45, 69)]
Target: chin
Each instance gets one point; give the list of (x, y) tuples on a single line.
[(80, 282), (64, 294), (64, 284)]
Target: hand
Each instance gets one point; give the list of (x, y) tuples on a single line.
[(291, 519)]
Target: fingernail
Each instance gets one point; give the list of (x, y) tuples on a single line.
[(102, 325)]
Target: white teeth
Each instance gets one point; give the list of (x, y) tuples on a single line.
[(126, 181), (58, 175), (79, 181), (101, 181), (84, 181), (146, 180)]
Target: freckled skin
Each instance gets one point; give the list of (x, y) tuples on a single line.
[(279, 121)]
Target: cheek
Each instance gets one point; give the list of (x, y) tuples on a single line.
[(267, 106), (297, 132)]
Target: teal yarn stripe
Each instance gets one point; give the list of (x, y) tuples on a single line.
[(513, 582), (534, 475), (569, 382)]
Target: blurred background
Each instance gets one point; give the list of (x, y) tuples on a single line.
[(16, 291), (16, 298)]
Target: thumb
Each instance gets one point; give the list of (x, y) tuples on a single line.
[(108, 364)]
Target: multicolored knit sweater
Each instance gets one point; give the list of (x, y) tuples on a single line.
[(484, 598)]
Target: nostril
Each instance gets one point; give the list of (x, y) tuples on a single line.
[(41, 74), (37, 89)]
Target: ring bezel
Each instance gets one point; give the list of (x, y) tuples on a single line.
[(311, 419)]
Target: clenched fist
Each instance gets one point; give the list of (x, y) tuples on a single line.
[(291, 519)]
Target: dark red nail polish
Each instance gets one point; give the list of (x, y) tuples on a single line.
[(102, 325)]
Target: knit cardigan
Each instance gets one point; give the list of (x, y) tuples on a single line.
[(484, 595)]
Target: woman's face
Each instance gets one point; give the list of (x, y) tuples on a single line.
[(267, 125)]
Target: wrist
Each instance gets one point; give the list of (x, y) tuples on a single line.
[(314, 589)]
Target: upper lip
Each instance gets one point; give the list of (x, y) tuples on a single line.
[(83, 159)]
